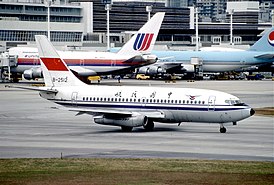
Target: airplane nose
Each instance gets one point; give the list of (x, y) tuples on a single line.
[(252, 112)]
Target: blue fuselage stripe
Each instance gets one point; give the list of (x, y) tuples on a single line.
[(152, 106)]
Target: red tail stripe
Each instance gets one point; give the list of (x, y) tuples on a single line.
[(54, 64), (144, 42), (149, 41)]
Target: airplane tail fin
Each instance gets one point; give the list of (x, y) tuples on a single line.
[(143, 41), (265, 43), (55, 71)]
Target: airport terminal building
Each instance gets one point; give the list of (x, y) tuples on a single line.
[(84, 23)]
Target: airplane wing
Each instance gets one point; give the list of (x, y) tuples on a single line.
[(149, 59), (265, 56), (120, 113), (43, 89), (82, 71)]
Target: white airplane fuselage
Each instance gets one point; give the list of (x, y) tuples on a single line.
[(175, 105)]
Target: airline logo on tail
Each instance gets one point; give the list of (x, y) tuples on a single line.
[(271, 38), (54, 64), (143, 41)]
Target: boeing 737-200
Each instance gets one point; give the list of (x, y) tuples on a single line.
[(131, 106), (261, 53), (135, 53)]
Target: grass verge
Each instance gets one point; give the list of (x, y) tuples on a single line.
[(133, 171)]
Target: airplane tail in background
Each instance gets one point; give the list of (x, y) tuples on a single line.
[(265, 43), (55, 71), (143, 41)]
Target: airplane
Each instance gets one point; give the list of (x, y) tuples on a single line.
[(135, 53), (131, 106), (179, 62)]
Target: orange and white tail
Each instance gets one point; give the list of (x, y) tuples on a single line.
[(55, 71), (143, 41)]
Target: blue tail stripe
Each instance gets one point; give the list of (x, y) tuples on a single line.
[(140, 41), (136, 41)]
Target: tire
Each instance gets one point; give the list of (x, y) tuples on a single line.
[(126, 129), (149, 125)]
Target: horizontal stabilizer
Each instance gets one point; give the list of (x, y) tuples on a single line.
[(41, 89)]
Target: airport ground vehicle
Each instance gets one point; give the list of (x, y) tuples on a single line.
[(142, 77), (255, 77)]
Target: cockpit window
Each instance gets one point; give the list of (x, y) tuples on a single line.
[(234, 102)]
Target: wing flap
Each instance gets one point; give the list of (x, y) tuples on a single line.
[(116, 112)]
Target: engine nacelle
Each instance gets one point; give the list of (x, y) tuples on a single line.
[(33, 73), (134, 121), (143, 70), (153, 70)]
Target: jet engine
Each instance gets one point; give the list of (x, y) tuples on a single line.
[(134, 121), (152, 70), (33, 73)]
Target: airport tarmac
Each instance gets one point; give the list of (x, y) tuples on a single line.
[(30, 128)]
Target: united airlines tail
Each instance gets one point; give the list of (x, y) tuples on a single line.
[(55, 71), (143, 41), (265, 43)]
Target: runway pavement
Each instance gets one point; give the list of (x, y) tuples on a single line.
[(30, 128)]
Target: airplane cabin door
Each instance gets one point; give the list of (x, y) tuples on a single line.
[(211, 103), (74, 98)]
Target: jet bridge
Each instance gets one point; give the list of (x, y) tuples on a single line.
[(6, 63)]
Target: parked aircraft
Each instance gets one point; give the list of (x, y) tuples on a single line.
[(135, 53), (261, 53), (130, 107)]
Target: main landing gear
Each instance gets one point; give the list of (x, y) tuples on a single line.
[(126, 129), (149, 126), (222, 128)]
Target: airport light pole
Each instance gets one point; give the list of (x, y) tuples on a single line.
[(196, 29), (148, 10), (108, 8), (48, 4), (231, 26)]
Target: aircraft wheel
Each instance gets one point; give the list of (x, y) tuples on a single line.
[(126, 129), (149, 126), (223, 130)]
